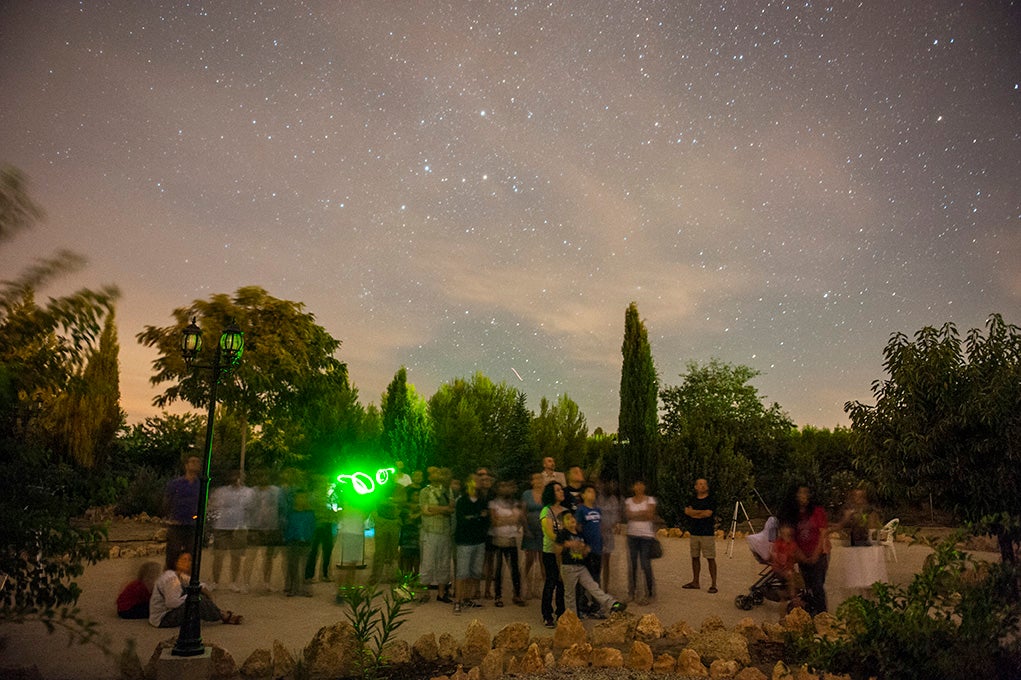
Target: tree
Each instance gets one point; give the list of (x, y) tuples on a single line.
[(519, 456), (407, 432), (41, 349), (638, 422), (285, 350), (947, 423), (715, 426), (561, 431)]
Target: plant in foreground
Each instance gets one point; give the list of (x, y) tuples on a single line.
[(376, 616)]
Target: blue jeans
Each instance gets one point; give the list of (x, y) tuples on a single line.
[(638, 549)]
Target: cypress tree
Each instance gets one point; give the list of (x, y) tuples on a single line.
[(638, 422)]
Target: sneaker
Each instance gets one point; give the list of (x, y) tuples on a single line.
[(472, 604), (549, 623), (618, 607), (457, 607)]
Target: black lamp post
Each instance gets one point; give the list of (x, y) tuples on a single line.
[(228, 353)]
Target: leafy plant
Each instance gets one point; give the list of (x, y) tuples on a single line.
[(952, 621), (376, 622)]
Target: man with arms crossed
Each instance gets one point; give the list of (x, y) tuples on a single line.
[(702, 511)]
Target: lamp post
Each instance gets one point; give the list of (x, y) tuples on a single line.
[(228, 353)]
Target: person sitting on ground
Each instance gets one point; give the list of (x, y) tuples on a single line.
[(133, 600), (166, 606), (572, 550)]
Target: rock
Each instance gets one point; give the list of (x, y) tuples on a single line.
[(397, 652), (115, 552), (639, 657), (477, 643), (750, 673), (607, 657), (750, 629), (492, 665), (258, 665), (804, 674), (664, 663), (548, 660), (576, 656), (545, 645), (614, 631), (662, 533), (224, 667), (513, 637), (129, 553), (781, 672), (649, 628), (441, 677), (160, 535), (334, 651), (532, 661), (459, 674), (689, 663), (797, 620), (675, 532), (447, 647), (712, 623), (474, 674), (832, 676), (283, 660), (569, 632), (826, 626), (723, 670), (721, 644), (775, 632), (425, 648), (680, 632)]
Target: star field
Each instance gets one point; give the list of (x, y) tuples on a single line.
[(485, 186)]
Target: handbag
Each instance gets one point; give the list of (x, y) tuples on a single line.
[(656, 549)]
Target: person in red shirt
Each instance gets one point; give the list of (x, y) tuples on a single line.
[(808, 518), (133, 600)]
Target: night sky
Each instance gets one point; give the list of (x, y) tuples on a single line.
[(485, 186)]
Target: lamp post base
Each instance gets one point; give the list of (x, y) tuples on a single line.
[(173, 667)]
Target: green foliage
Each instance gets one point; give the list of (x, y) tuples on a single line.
[(407, 430), (947, 421), (560, 430), (519, 458), (375, 623), (715, 426), (954, 620), (638, 421)]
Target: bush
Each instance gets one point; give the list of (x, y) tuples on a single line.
[(143, 494), (954, 620)]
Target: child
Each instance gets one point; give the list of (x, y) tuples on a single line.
[(572, 550), (133, 601), (782, 560)]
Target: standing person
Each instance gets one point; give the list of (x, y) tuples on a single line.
[(865, 564), (181, 505), (549, 472), (571, 547), (506, 519), (484, 488), (808, 518), (640, 512), (608, 500), (572, 490), (702, 512), (229, 507), (553, 585), (325, 531), (386, 519), (531, 541), (437, 510), (298, 531), (265, 519), (411, 529), (471, 525), (590, 521)]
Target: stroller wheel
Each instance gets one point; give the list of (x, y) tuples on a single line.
[(758, 598), (743, 602)]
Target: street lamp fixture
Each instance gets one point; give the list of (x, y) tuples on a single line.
[(228, 353)]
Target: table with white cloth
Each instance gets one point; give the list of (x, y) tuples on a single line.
[(863, 565)]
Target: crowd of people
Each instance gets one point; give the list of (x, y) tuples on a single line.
[(459, 536)]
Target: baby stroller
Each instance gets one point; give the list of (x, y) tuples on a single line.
[(770, 585)]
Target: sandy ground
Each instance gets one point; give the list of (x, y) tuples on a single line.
[(294, 621)]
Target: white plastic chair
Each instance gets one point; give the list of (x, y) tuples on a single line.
[(885, 537)]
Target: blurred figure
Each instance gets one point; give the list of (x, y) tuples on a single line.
[(411, 526), (229, 506), (133, 600), (531, 541), (325, 531), (298, 531), (608, 500), (387, 520), (506, 518), (550, 474), (640, 511), (437, 509), (470, 530), (265, 518), (181, 503)]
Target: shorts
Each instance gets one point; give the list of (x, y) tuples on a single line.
[(469, 560), (230, 539), (703, 546)]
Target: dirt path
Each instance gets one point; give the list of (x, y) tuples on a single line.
[(294, 621)]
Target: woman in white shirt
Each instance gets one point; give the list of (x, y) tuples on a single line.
[(640, 513), (166, 605)]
